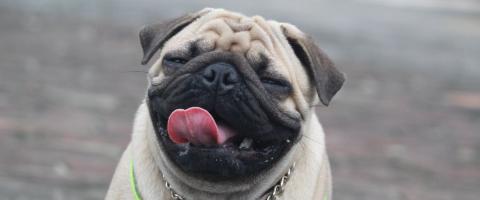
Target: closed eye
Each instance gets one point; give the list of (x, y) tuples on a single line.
[(277, 87), (172, 63), (273, 81)]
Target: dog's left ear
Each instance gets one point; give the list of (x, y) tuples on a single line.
[(153, 37), (328, 80)]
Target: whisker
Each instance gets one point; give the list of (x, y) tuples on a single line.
[(136, 71), (311, 139)]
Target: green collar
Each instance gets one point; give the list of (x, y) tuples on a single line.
[(133, 183)]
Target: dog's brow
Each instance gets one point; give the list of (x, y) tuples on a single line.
[(195, 48), (259, 65)]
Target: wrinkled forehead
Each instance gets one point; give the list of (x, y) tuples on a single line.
[(234, 32), (231, 31)]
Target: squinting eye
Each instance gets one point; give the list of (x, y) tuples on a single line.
[(278, 88), (174, 62), (273, 82)]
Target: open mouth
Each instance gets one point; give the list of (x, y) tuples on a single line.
[(203, 144), (198, 127)]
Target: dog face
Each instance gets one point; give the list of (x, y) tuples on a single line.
[(247, 85)]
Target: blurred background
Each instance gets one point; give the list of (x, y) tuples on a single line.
[(406, 126)]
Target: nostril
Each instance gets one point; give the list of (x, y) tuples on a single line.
[(225, 79), (209, 75), (230, 79), (220, 76)]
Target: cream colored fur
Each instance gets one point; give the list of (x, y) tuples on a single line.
[(311, 179)]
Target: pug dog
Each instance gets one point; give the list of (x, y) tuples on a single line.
[(229, 112)]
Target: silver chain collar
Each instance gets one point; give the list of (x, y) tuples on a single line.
[(173, 195), (274, 193), (278, 189)]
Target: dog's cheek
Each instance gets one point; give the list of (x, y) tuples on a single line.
[(289, 105), (155, 73)]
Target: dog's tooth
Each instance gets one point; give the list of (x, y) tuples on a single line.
[(246, 143)]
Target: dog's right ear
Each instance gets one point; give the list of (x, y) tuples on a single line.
[(153, 37)]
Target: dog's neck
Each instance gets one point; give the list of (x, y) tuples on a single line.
[(273, 193), (149, 159)]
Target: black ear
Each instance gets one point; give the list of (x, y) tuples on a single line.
[(153, 37), (328, 80)]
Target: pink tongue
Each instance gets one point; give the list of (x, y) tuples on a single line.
[(197, 126)]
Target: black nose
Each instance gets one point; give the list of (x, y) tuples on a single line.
[(220, 76)]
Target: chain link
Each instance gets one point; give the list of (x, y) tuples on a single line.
[(173, 195), (280, 186), (273, 195)]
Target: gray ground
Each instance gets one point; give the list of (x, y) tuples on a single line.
[(406, 125)]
